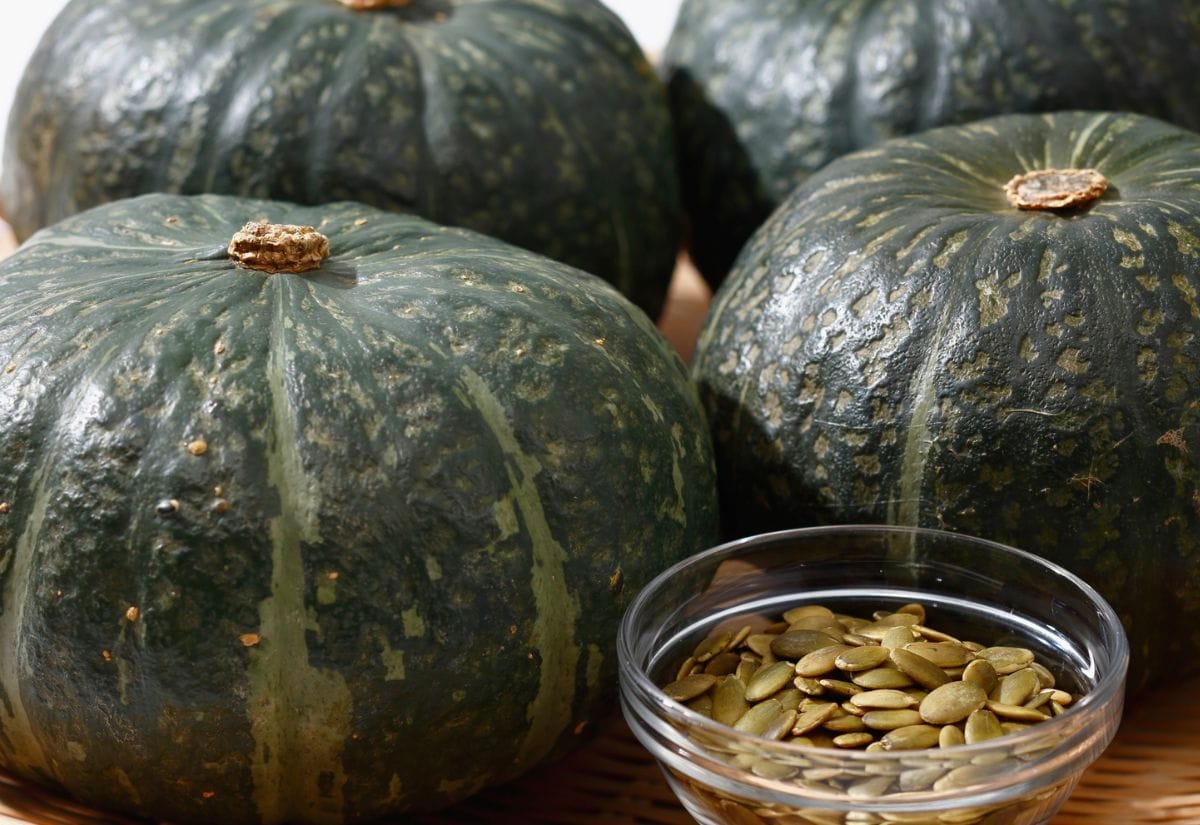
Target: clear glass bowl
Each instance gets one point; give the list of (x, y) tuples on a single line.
[(979, 589)]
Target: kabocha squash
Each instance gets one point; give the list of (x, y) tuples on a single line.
[(766, 91), (536, 121), (327, 545), (901, 343)]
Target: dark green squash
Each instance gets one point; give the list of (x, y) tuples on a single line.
[(321, 546), (766, 91), (540, 123), (900, 343)]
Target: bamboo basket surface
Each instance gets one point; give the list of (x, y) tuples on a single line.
[(1150, 774)]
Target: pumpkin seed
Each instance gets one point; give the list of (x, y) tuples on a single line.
[(911, 737), (891, 719), (821, 661), (722, 664), (781, 725), (794, 644), (770, 680), (1017, 687), (922, 671), (883, 699), (951, 736), (840, 686), (844, 723), (711, 646), (758, 718), (1015, 712), (689, 687), (813, 718), (942, 654), (880, 678), (897, 637), (982, 725), (1007, 659), (729, 700), (980, 672), (952, 702), (854, 740), (807, 610), (861, 658)]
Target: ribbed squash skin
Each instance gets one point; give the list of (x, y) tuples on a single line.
[(536, 121), (766, 91), (900, 344), (446, 464)]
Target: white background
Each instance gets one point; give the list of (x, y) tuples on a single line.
[(24, 22)]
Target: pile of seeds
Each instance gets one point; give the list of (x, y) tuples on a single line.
[(889, 682)]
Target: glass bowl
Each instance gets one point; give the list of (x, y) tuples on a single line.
[(976, 589)]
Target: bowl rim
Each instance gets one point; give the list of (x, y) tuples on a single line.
[(641, 690)]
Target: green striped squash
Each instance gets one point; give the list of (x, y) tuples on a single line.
[(326, 545), (764, 92), (536, 121), (901, 343)]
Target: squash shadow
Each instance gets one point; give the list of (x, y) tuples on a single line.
[(723, 197)]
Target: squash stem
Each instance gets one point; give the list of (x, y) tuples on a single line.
[(1055, 188), (273, 247)]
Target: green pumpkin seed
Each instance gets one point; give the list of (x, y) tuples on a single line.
[(897, 637), (1018, 687), (813, 717), (807, 610), (714, 644), (760, 643), (911, 737), (1007, 659), (883, 699), (722, 664), (856, 659), (840, 686), (922, 671), (951, 736), (891, 719), (769, 680), (881, 678), (795, 644), (844, 723), (981, 726), (758, 718), (781, 725), (689, 687), (822, 661), (702, 704), (808, 686), (980, 672), (1015, 712), (942, 654), (854, 740), (952, 702), (729, 700), (777, 771)]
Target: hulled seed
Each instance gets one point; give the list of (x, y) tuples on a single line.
[(952, 702)]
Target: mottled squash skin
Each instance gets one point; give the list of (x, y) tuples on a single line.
[(900, 344), (434, 473), (537, 121), (766, 91)]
